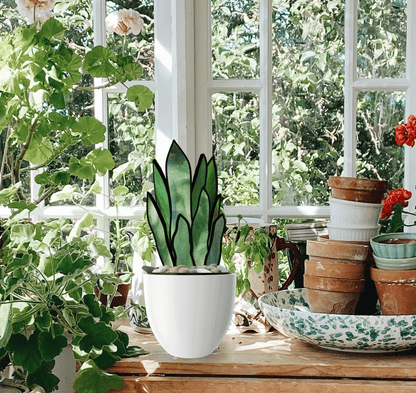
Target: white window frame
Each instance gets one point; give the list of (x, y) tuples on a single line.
[(183, 87), (206, 86)]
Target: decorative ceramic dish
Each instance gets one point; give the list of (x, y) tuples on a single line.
[(288, 312), (388, 245), (395, 264)]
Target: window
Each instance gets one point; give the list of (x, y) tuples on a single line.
[(259, 84)]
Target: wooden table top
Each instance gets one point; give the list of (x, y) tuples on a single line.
[(266, 355)]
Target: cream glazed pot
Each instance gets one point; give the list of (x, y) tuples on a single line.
[(189, 314)]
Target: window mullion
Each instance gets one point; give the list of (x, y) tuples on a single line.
[(350, 101), (265, 158)]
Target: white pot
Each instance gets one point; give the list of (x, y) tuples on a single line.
[(360, 234), (354, 214), (189, 314)]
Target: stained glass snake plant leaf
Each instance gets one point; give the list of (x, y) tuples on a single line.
[(184, 212)]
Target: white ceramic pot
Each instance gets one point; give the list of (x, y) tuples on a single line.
[(189, 314), (354, 214), (358, 234)]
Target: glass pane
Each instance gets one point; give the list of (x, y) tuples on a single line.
[(308, 99), (378, 156), (132, 144), (381, 41), (140, 45), (235, 39), (236, 136)]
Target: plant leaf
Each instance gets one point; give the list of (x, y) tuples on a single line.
[(91, 129), (214, 253), (142, 96), (5, 325), (159, 230), (25, 352), (182, 243), (211, 183), (99, 62), (91, 379), (49, 346), (97, 335), (178, 174), (162, 195), (198, 183), (200, 229)]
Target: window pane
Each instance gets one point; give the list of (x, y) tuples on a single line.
[(140, 46), (381, 46), (131, 142), (235, 39), (378, 155), (236, 131), (308, 99)]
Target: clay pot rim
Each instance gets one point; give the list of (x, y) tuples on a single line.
[(330, 284), (325, 238), (357, 183), (361, 254), (393, 276)]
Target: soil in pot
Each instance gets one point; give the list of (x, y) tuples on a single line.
[(358, 190), (398, 241), (396, 290)]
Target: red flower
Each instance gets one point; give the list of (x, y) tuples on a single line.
[(406, 134), (395, 196)]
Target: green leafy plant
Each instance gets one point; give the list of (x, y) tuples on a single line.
[(39, 72), (47, 302), (185, 213), (253, 246)]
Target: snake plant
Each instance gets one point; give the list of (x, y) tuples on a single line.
[(184, 212)]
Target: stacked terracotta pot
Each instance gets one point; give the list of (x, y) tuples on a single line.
[(337, 275)]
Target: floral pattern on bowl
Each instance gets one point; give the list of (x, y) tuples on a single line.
[(288, 312)]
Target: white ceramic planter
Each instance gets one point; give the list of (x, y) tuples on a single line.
[(189, 314), (360, 234), (354, 214)]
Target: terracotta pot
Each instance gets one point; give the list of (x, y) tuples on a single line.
[(119, 300), (396, 290), (333, 295), (328, 251), (334, 270), (349, 252), (358, 190)]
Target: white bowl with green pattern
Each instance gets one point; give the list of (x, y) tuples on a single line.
[(288, 312)]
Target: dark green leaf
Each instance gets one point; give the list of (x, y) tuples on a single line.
[(25, 352), (182, 243), (214, 253), (200, 229), (97, 334), (93, 306), (159, 230), (198, 183), (43, 377), (50, 347), (178, 174), (162, 195), (212, 183), (133, 351)]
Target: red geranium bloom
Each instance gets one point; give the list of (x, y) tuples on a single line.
[(406, 134), (400, 195)]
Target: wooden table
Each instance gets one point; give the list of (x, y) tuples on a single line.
[(268, 362)]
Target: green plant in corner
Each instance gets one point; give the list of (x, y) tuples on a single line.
[(47, 302), (185, 213)]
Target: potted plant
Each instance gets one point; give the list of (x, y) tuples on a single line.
[(252, 253), (190, 299), (394, 254), (47, 302), (46, 291)]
